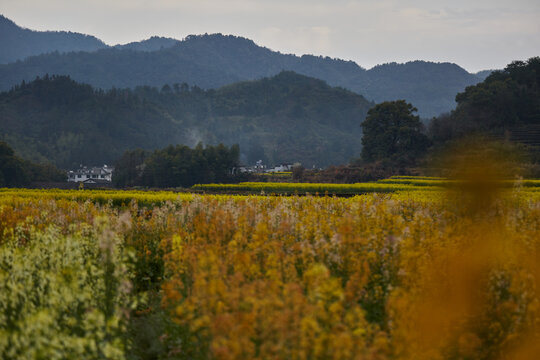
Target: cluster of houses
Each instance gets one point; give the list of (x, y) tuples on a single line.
[(91, 175), (259, 167), (103, 175)]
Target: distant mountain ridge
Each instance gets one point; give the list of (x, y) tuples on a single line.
[(18, 43), (212, 61)]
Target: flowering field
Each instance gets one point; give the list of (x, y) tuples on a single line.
[(145, 275), (312, 188), (391, 185)]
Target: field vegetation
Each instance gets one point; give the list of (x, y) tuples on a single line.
[(390, 185), (423, 274)]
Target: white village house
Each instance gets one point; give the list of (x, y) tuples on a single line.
[(259, 167), (91, 175), (281, 167)]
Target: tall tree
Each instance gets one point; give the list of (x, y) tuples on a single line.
[(393, 132)]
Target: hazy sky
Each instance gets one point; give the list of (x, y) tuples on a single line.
[(476, 34)]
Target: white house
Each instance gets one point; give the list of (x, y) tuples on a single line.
[(98, 174), (281, 167)]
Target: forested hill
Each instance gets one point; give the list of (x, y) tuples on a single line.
[(55, 119), (431, 87), (211, 61), (286, 118), (17, 43)]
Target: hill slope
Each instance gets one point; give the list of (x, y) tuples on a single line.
[(55, 119), (18, 43), (286, 118)]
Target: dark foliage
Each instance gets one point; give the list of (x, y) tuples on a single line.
[(177, 166), (55, 119), (287, 118), (298, 172), (15, 172), (393, 133), (505, 101), (128, 170)]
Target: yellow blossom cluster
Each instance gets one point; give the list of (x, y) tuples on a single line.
[(359, 278)]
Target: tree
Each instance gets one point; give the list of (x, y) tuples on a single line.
[(393, 132), (297, 171), (129, 168)]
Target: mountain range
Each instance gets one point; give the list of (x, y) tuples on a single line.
[(213, 61)]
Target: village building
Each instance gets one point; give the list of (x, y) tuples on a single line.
[(260, 168), (281, 168), (91, 175)]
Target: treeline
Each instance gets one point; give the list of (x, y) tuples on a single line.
[(16, 172), (506, 100), (504, 111), (503, 108), (176, 166)]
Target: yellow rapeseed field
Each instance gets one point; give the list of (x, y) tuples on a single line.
[(409, 274)]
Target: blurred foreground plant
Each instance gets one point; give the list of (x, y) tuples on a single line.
[(64, 296)]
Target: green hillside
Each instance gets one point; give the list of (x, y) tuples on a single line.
[(55, 119), (286, 118)]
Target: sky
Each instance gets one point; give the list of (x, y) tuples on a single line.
[(475, 34)]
